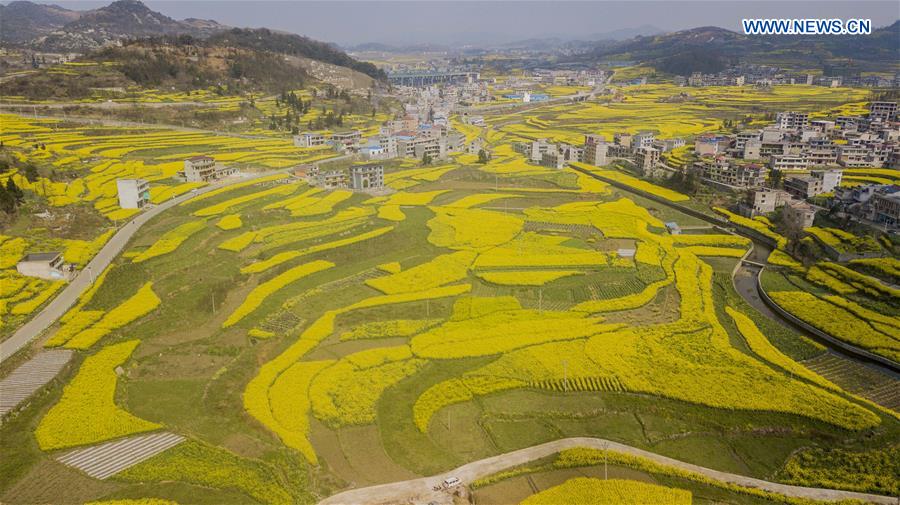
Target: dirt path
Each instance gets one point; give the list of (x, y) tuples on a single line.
[(421, 490)]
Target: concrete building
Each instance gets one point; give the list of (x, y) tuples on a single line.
[(764, 201), (752, 149), (831, 178), (204, 169), (333, 179), (885, 111), (309, 139), (731, 174), (133, 193), (642, 140), (803, 187), (711, 145), (798, 215), (646, 159), (788, 162), (552, 158), (363, 177), (595, 150), (45, 265), (199, 169), (792, 120), (852, 156), (886, 208), (346, 141)]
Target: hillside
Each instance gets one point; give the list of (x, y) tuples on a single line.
[(293, 45), (52, 28), (710, 48), (22, 21)]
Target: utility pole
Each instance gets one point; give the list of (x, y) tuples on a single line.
[(91, 272)]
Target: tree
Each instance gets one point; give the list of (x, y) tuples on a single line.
[(426, 159), (14, 191), (31, 172), (482, 156), (775, 178), (8, 202)]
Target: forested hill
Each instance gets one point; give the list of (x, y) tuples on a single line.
[(708, 49), (262, 39)]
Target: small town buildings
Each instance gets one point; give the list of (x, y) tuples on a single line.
[(365, 177), (730, 173), (646, 159), (552, 158), (791, 120), (886, 208), (883, 111), (133, 193), (831, 178), (642, 140), (765, 201), (788, 162), (204, 169), (309, 139), (711, 145), (798, 215), (803, 187), (346, 141), (595, 150), (43, 265), (333, 179), (852, 156)]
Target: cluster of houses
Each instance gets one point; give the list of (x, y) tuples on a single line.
[(764, 75), (367, 178), (405, 137), (812, 156), (642, 147)]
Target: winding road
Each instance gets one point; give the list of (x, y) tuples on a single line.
[(422, 490), (62, 302)]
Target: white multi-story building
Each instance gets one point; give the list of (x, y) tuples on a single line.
[(309, 139), (788, 162), (133, 193), (792, 120), (830, 178)]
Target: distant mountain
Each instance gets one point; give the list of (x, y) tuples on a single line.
[(710, 48), (52, 28), (22, 21), (129, 22), (626, 33)]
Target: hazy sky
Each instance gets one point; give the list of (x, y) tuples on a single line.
[(461, 22)]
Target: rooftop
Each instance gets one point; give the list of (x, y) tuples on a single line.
[(41, 256)]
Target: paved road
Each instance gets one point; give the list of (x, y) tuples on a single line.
[(421, 490), (62, 302)]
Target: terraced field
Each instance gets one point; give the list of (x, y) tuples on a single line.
[(304, 342)]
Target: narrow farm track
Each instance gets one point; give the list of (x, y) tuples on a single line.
[(29, 377), (421, 490), (107, 459)]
